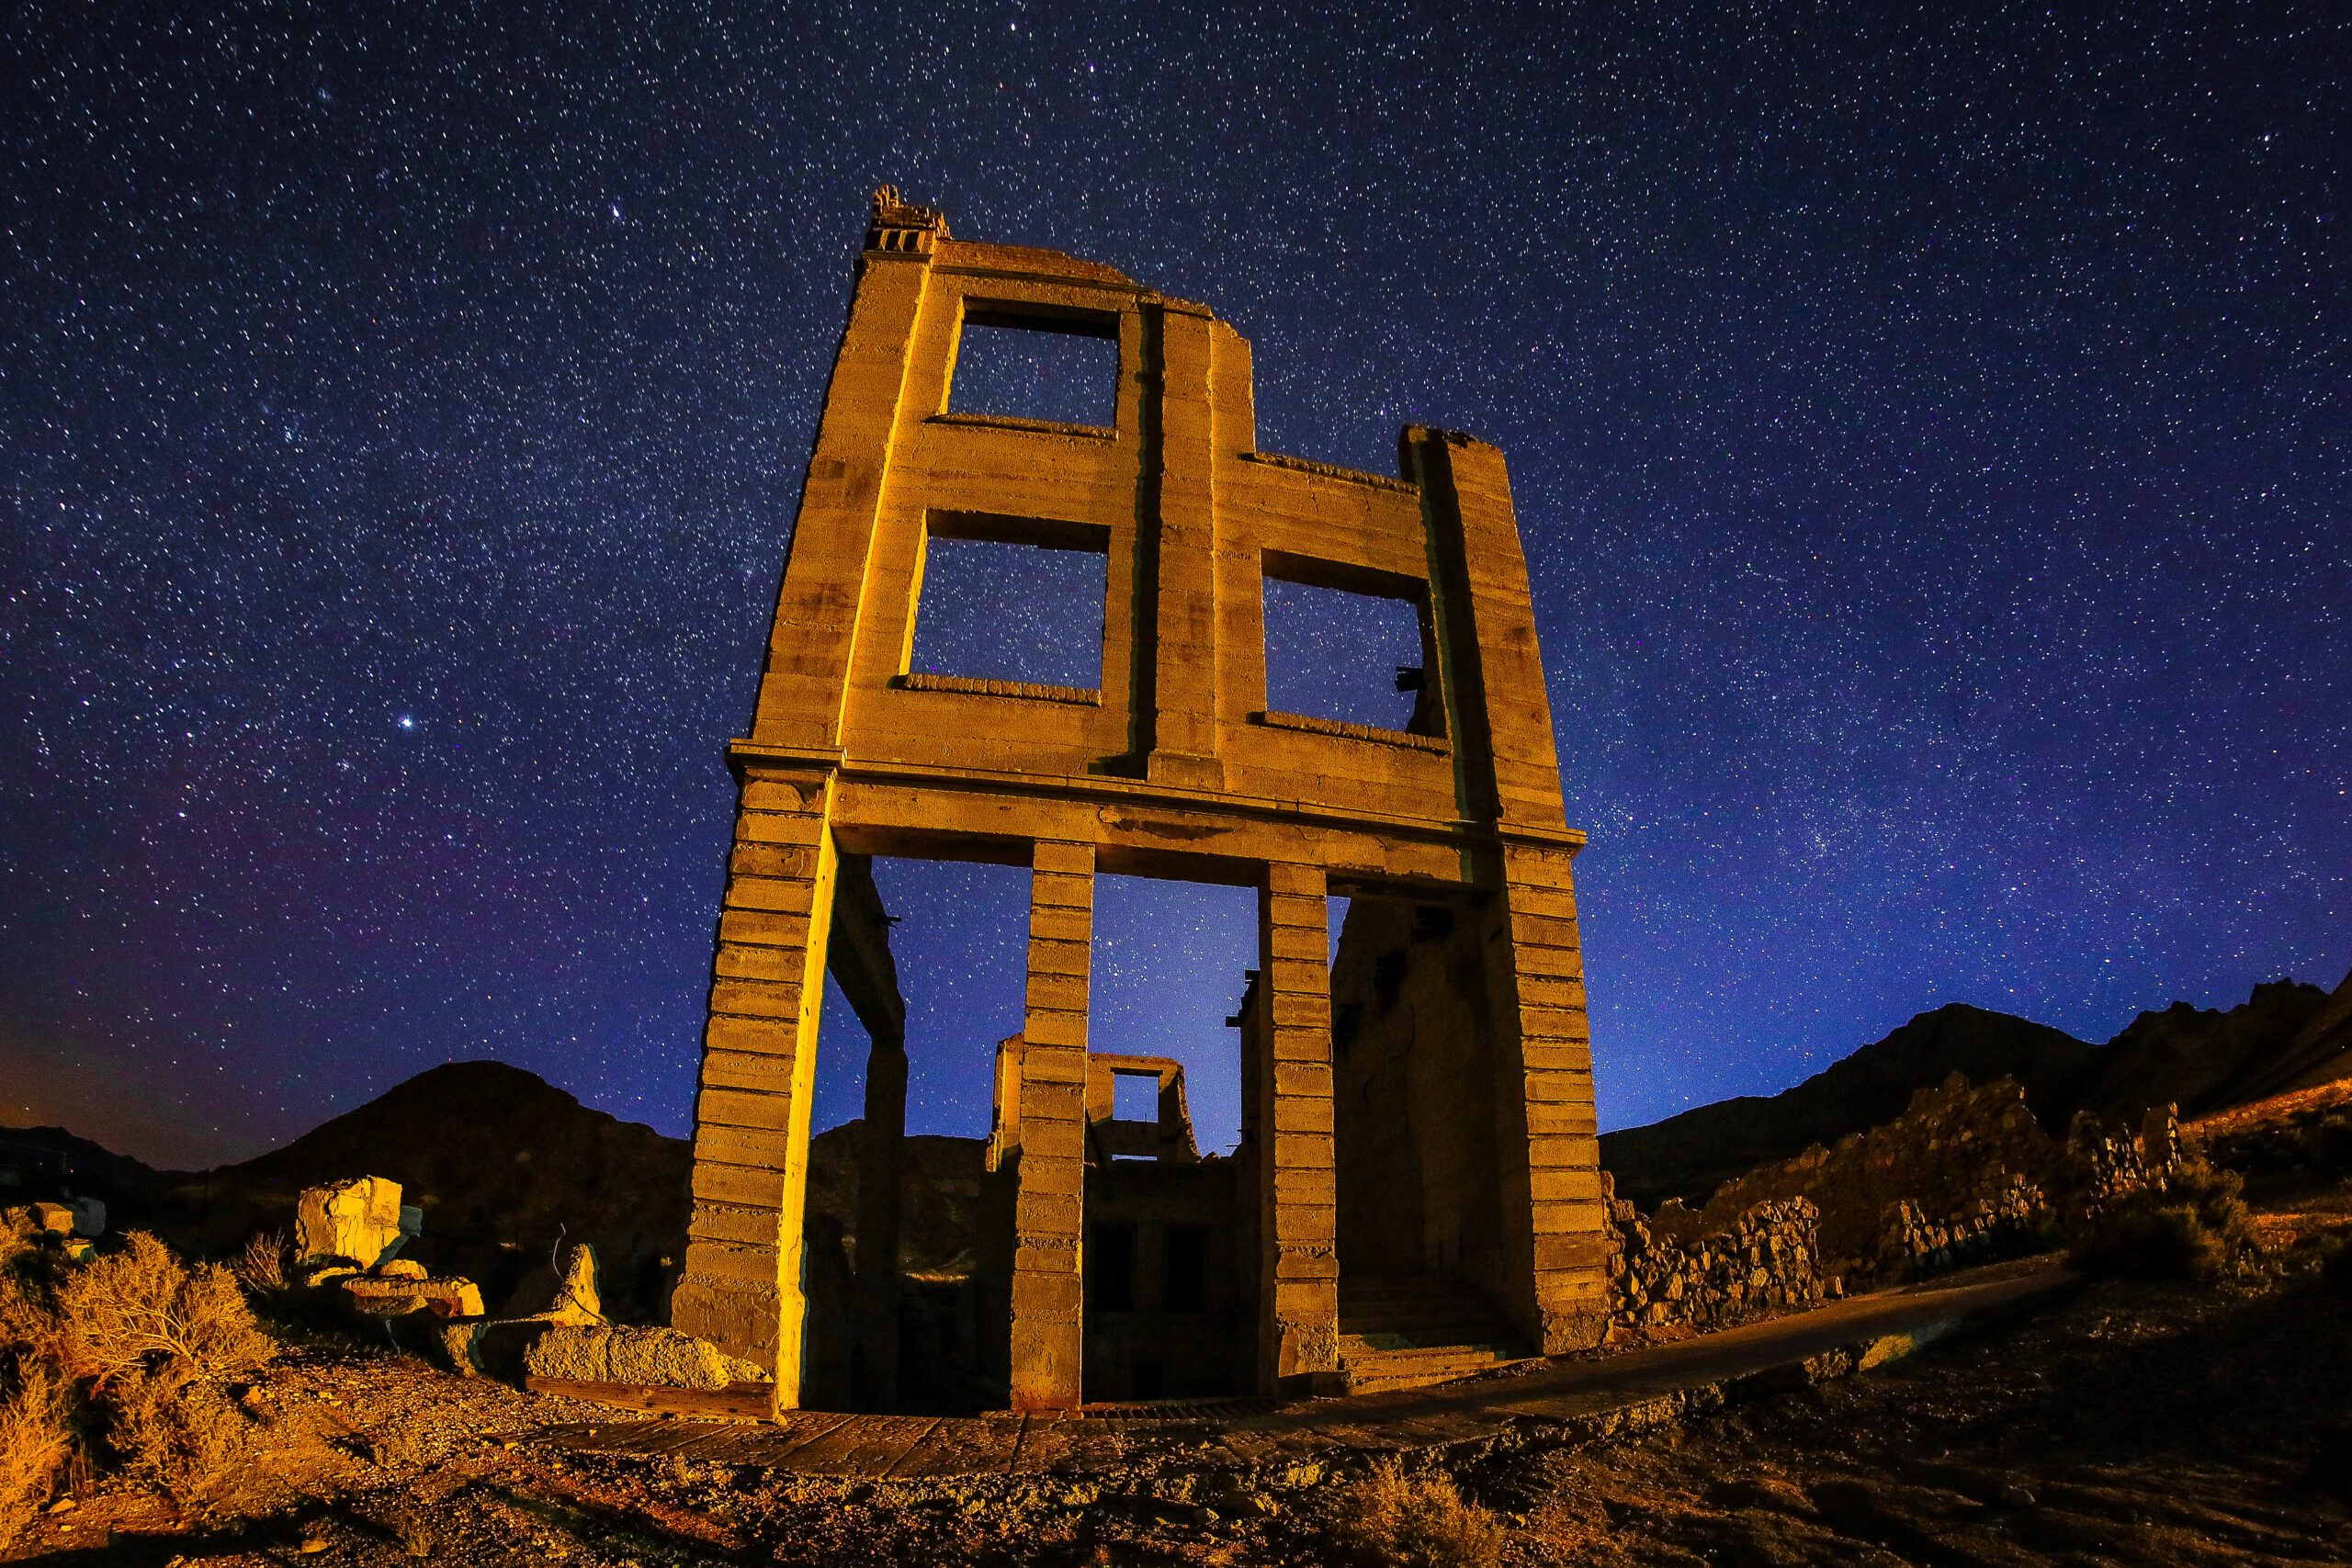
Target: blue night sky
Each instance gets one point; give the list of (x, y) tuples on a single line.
[(1929, 433)]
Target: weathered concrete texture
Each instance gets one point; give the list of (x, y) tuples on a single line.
[(659, 1358), (397, 1296), (1168, 762), (362, 1220)]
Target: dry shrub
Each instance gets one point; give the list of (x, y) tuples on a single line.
[(146, 1343), (126, 1312), (186, 1440), (260, 1266), (1415, 1521), (34, 1442), (2196, 1227)]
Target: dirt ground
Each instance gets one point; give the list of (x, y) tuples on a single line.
[(2136, 1423)]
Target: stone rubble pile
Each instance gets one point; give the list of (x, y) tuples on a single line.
[(1674, 1270), (69, 1228), (1965, 1174), (1917, 1243)]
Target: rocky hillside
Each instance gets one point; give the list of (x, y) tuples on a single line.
[(2285, 1034)]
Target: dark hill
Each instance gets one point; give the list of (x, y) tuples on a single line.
[(503, 1165), (2202, 1059), (1692, 1154), (45, 1163)]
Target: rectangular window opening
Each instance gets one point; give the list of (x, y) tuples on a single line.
[(1135, 1097), (1358, 654), (1061, 371), (1012, 599)]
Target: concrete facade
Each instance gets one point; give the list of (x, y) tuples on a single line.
[(1170, 766)]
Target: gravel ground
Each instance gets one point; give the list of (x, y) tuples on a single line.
[(2137, 1424)]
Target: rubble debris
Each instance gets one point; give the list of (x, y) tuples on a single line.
[(571, 1297)]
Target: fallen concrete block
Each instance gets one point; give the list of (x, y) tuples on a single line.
[(662, 1358), (571, 1297), (361, 1220), (378, 1296)]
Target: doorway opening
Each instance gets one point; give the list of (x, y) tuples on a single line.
[(1169, 1303), (894, 1263)]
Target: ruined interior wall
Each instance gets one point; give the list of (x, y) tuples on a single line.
[(1155, 1347), (1413, 1112)]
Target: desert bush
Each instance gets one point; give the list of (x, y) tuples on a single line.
[(260, 1265), (35, 1439), (1414, 1521), (128, 1313), (2196, 1227), (185, 1438)]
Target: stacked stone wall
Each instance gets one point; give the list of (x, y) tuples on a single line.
[(1669, 1271), (1965, 1174)]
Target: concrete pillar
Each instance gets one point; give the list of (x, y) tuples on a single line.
[(874, 1372), (1298, 1289), (1050, 1170), (741, 1284), (1555, 1281), (1181, 482)]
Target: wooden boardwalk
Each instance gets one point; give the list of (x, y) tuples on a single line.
[(1564, 1400)]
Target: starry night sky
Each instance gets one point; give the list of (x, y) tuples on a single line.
[(1930, 435)]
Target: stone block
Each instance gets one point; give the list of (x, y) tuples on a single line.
[(359, 1219), (378, 1296), (638, 1356)]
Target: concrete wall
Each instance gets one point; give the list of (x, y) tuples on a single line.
[(1169, 764)]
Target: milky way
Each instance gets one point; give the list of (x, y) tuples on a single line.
[(1930, 436)]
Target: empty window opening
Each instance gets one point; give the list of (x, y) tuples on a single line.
[(1110, 1268), (959, 933), (1188, 1269), (995, 609), (1135, 1097), (1166, 960), (1358, 658), (1064, 372)]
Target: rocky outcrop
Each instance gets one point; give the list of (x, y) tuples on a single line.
[(506, 1168), (1964, 1175), (2199, 1059)]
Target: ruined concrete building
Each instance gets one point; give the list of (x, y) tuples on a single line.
[(1417, 1187)]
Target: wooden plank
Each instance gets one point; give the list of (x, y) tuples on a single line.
[(864, 1445), (963, 1446), (737, 1402), (1045, 1440)]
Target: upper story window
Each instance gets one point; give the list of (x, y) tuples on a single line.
[(1011, 599), (1060, 369), (1361, 652)]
